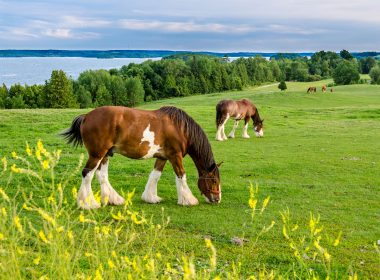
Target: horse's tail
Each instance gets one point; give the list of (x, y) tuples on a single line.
[(72, 134), (218, 116)]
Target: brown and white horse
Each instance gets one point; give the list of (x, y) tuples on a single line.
[(165, 134), (238, 110)]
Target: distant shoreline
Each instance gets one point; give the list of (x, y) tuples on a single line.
[(129, 53)]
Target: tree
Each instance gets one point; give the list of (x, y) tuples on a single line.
[(346, 73), (346, 55), (3, 95), (366, 64), (375, 75), (59, 91), (135, 91), (282, 85)]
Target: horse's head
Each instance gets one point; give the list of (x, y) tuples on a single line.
[(209, 184), (258, 128)]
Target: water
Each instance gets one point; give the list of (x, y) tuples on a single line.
[(36, 70)]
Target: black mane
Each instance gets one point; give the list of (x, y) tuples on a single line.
[(199, 146)]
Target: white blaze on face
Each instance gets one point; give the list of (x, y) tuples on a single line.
[(148, 136)]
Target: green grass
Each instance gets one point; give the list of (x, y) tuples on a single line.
[(320, 153)]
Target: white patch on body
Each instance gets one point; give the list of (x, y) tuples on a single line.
[(150, 193), (259, 133), (85, 198), (108, 194), (148, 136), (224, 137), (185, 196), (245, 131)]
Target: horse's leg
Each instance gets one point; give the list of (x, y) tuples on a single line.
[(232, 133), (220, 135), (185, 196), (150, 193), (223, 133), (245, 129), (86, 199), (108, 194)]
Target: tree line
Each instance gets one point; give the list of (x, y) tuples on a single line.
[(183, 75)]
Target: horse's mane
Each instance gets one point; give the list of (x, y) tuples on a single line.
[(256, 118), (199, 145)]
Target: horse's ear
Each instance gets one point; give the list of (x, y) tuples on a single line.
[(219, 164)]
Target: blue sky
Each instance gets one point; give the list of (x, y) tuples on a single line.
[(208, 25)]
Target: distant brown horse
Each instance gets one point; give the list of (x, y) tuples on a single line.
[(165, 134), (324, 88), (238, 110), (311, 89)]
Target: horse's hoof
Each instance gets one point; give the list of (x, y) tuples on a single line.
[(88, 206), (152, 200)]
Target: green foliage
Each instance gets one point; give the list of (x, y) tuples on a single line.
[(3, 96), (135, 92), (282, 86), (346, 73), (346, 55), (59, 91), (366, 64), (375, 75)]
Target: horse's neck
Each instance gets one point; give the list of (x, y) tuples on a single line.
[(256, 117), (201, 164)]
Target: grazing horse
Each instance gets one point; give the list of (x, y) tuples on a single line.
[(165, 134), (311, 89), (239, 110), (324, 88)]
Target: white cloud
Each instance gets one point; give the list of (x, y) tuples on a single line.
[(61, 33), (185, 26), (83, 22)]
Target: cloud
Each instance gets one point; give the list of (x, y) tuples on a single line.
[(185, 26), (58, 33)]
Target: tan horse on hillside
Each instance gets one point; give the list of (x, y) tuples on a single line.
[(238, 110)]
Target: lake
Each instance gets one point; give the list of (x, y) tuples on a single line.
[(36, 70)]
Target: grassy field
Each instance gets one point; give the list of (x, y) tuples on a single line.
[(319, 154)]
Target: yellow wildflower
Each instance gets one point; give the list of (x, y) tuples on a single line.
[(5, 163), (38, 154), (36, 261), (1, 236), (60, 229), (252, 203), (46, 217), (106, 230), (70, 235), (45, 164), (295, 227), (28, 150), (118, 217), (74, 191), (16, 221), (14, 155), (208, 243), (111, 264), (113, 254), (26, 207), (4, 195), (353, 277), (4, 211), (327, 256), (87, 254), (15, 169), (265, 204), (337, 240), (43, 237), (158, 255)]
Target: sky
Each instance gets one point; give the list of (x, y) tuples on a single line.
[(193, 25)]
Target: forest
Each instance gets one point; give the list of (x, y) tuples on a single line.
[(183, 75)]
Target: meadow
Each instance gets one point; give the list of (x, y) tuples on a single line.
[(301, 202)]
